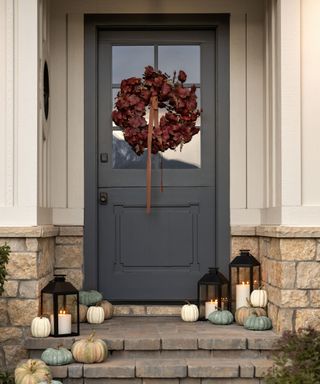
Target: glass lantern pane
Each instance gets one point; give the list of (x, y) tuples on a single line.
[(47, 304), (256, 277), (244, 275)]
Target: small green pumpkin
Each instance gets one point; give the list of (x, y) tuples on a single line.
[(258, 323), (221, 317), (51, 382), (90, 297), (59, 356)]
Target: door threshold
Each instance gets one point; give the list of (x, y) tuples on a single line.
[(147, 309)]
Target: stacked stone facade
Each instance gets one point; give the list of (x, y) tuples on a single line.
[(290, 264), (36, 254), (290, 260)]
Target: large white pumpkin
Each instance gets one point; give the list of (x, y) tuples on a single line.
[(40, 327), (32, 372), (95, 315), (189, 312), (259, 298)]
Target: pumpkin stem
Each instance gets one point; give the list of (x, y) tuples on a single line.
[(91, 336), (188, 302), (249, 302)]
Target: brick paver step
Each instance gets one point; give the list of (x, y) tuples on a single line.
[(165, 369), (165, 334)]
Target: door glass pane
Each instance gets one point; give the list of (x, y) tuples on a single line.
[(186, 57), (186, 157), (123, 157), (129, 61)]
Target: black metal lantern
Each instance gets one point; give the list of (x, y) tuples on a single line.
[(60, 303), (212, 293), (245, 276)]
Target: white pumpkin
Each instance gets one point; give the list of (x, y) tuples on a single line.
[(40, 327), (259, 298), (95, 315), (189, 312)]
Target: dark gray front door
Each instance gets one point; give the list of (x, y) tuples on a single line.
[(160, 256)]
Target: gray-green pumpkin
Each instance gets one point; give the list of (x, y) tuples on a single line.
[(51, 382), (258, 323), (221, 317), (59, 356), (90, 297)]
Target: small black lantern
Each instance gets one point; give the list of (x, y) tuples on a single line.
[(212, 293), (60, 303), (245, 276)]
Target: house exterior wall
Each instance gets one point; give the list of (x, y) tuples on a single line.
[(275, 193), (247, 84)]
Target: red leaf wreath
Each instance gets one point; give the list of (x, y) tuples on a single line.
[(177, 125)]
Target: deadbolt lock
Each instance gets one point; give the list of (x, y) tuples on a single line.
[(103, 198)]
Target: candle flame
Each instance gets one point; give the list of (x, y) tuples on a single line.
[(247, 282), (62, 312)]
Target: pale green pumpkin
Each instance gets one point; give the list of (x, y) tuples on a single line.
[(59, 356), (258, 323), (90, 297), (221, 317)]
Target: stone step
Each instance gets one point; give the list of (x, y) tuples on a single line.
[(151, 350), (127, 310), (143, 371)]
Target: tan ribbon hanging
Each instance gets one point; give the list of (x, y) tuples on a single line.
[(153, 122)]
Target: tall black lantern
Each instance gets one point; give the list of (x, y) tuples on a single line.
[(245, 276), (60, 303), (212, 293)]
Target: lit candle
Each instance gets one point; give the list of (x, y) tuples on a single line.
[(64, 323), (211, 306), (242, 294)]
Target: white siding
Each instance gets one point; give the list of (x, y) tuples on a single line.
[(18, 112), (246, 110), (310, 103)]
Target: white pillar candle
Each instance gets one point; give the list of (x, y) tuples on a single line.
[(242, 294), (64, 323), (211, 306)]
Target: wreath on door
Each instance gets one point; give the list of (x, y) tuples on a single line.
[(156, 90)]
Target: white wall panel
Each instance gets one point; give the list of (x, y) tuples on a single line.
[(58, 110), (238, 111), (26, 102), (6, 102), (75, 111), (310, 102), (255, 110)]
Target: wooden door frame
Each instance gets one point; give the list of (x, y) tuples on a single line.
[(218, 22)]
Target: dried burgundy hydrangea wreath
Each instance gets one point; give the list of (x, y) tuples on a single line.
[(177, 125)]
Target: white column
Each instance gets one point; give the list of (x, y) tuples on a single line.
[(290, 100), (19, 125)]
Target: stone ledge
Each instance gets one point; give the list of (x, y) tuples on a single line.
[(282, 231), (36, 231), (243, 230)]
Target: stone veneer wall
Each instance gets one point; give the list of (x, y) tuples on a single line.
[(30, 268), (290, 259), (36, 254)]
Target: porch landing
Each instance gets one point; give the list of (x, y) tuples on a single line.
[(151, 350)]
